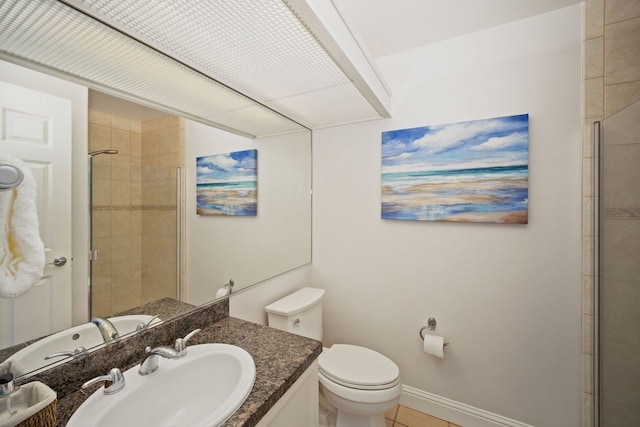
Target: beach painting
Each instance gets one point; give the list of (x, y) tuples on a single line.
[(476, 171), (227, 184)]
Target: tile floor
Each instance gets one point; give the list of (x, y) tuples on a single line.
[(401, 416)]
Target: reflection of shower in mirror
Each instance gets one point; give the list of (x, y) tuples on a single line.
[(93, 252)]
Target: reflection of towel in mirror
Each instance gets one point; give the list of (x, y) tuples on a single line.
[(21, 249), (13, 366)]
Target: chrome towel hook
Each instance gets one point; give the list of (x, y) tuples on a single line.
[(10, 176)]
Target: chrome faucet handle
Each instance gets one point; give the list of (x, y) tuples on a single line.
[(142, 325), (113, 381), (181, 343), (66, 353)]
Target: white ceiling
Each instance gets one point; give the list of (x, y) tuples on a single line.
[(390, 26)]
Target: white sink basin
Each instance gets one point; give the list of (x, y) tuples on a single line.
[(202, 389), (86, 335)]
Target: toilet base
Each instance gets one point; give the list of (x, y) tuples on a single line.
[(345, 419), (347, 413), (327, 412)]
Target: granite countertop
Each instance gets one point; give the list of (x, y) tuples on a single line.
[(165, 308), (280, 359)]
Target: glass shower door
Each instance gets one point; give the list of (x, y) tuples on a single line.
[(619, 284)]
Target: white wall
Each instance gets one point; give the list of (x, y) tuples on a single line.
[(78, 95), (249, 304), (249, 249), (507, 297)]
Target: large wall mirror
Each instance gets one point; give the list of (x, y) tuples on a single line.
[(132, 165)]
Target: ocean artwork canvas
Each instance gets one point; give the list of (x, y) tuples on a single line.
[(227, 184), (475, 171)]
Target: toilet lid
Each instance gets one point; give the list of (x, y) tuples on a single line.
[(358, 367)]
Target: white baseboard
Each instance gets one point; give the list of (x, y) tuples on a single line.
[(452, 411)]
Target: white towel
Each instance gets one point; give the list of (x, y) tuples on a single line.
[(13, 366), (21, 249)]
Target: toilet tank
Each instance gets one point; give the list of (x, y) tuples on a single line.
[(299, 313)]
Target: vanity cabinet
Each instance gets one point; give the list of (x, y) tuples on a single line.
[(299, 405)]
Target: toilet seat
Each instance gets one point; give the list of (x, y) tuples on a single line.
[(357, 396), (358, 368)]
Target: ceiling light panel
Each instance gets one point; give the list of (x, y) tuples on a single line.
[(258, 47), (58, 37)]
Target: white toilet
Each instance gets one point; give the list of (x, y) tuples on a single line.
[(356, 383)]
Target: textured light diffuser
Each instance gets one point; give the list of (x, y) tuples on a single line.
[(258, 47), (53, 35)]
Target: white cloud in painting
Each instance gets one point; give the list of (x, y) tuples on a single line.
[(204, 169), (393, 148), (401, 156), (499, 143), (451, 136), (227, 167), (467, 145), (222, 161)]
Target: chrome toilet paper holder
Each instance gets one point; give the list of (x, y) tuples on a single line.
[(431, 327)]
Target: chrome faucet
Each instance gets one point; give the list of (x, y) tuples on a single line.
[(150, 362), (7, 386), (108, 331)]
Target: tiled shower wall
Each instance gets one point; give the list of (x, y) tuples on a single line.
[(162, 154), (134, 209), (612, 90)]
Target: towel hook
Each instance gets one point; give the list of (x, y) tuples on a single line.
[(10, 176)]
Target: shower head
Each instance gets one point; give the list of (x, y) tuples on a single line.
[(98, 152)]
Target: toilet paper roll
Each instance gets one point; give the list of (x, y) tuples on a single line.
[(222, 292), (434, 345)]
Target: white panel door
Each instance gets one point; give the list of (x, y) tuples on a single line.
[(36, 128)]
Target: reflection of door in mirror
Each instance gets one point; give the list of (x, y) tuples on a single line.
[(36, 129), (135, 208)]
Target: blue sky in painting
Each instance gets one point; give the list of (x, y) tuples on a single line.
[(501, 141), (227, 167)]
